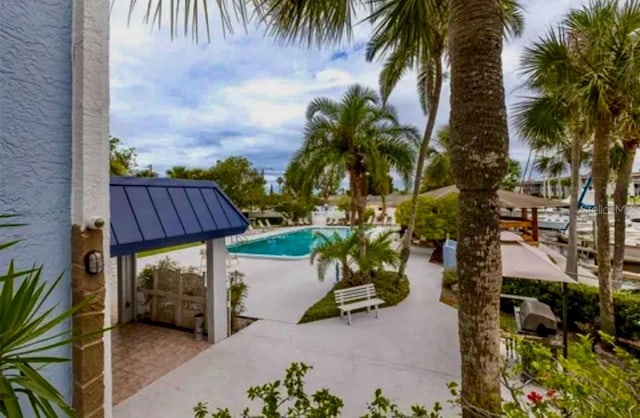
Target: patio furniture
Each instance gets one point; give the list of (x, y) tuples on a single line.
[(261, 226), (268, 224), (329, 221), (355, 298)]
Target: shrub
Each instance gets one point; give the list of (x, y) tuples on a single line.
[(449, 279), (587, 384), (582, 306), (387, 288), (435, 219), (289, 398), (583, 385), (237, 293), (368, 214)]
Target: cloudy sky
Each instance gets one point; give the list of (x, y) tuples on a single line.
[(179, 103)]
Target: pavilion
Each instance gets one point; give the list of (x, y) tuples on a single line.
[(152, 213)]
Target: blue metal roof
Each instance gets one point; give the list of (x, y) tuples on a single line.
[(149, 213)]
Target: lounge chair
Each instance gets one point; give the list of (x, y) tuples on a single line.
[(330, 221), (268, 224), (306, 221), (261, 226)]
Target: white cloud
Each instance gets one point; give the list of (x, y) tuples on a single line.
[(183, 103)]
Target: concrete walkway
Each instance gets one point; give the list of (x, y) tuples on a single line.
[(411, 352), (279, 290)]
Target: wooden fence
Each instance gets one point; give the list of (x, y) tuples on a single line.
[(172, 296)]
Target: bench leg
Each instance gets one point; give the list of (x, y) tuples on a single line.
[(349, 317), (376, 311)]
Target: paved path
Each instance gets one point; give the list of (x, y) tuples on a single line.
[(279, 290), (411, 352)]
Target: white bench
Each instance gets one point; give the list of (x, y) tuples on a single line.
[(357, 297)]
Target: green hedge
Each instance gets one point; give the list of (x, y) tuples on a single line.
[(583, 305), (386, 288)]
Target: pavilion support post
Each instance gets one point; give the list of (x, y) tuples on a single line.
[(126, 288), (217, 328), (534, 223)]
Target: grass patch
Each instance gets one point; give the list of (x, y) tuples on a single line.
[(386, 288), (168, 249)]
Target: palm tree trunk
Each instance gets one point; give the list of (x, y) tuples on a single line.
[(479, 150), (572, 250), (620, 196), (600, 174), (360, 201), (433, 100)]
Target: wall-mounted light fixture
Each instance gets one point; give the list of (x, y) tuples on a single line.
[(94, 262)]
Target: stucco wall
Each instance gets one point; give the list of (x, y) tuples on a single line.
[(35, 141)]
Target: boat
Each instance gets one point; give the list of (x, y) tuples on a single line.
[(553, 220)]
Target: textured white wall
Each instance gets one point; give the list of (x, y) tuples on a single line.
[(35, 146), (90, 151)]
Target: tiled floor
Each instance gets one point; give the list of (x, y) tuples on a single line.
[(142, 353)]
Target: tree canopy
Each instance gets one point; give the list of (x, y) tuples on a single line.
[(236, 176)]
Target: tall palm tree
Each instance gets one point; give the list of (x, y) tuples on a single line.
[(553, 127), (626, 147), (412, 34), (591, 60), (478, 128), (280, 181), (438, 171), (479, 149), (359, 134)]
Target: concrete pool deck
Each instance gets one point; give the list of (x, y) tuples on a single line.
[(411, 351)]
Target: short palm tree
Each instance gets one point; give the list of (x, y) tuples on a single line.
[(591, 61), (335, 248), (360, 135), (329, 249)]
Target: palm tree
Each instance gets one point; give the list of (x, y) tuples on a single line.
[(557, 130), (280, 180), (478, 128), (344, 250), (590, 61), (623, 156), (438, 172), (413, 34), (178, 172), (479, 150), (360, 135), (332, 249)]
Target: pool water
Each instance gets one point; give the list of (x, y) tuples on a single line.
[(288, 245)]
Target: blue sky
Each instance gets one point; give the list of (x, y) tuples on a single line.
[(179, 103)]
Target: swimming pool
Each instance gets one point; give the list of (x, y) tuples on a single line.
[(290, 245)]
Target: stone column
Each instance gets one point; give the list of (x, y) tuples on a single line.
[(88, 352), (217, 318)]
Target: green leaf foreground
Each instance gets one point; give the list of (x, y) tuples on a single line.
[(27, 340)]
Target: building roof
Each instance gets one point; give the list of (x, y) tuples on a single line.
[(507, 199), (150, 213)]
